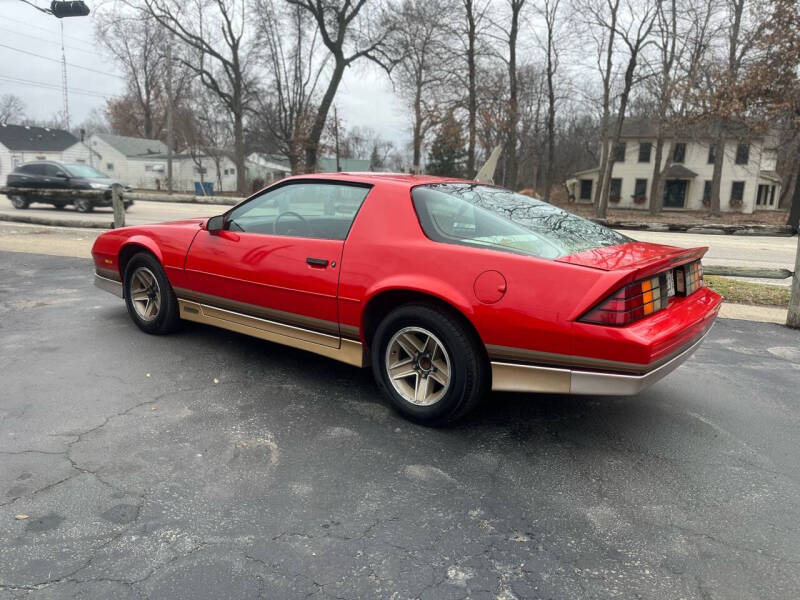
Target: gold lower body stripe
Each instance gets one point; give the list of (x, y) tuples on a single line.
[(344, 350)]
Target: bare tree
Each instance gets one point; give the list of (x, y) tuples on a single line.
[(601, 20), (349, 35), (634, 32), (550, 14), (290, 39), (138, 45), (474, 13), (215, 31), (424, 65), (12, 108)]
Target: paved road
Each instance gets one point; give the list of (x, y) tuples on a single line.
[(210, 465), (139, 214)]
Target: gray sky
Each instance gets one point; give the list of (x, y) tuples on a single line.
[(365, 96)]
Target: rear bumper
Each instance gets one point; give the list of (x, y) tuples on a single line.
[(512, 377)]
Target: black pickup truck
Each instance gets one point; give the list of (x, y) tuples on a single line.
[(53, 175)]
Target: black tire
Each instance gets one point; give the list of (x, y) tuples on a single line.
[(59, 205), (19, 202), (83, 205), (469, 370), (167, 318)]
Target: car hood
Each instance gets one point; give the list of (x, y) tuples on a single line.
[(632, 255)]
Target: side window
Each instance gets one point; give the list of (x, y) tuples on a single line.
[(32, 169), (310, 210), (52, 171)]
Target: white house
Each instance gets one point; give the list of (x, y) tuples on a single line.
[(22, 143), (138, 162), (749, 181)]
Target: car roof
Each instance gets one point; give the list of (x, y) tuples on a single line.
[(402, 179)]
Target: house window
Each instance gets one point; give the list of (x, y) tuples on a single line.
[(707, 193), (619, 152), (712, 154), (742, 154), (200, 170), (109, 166), (644, 152), (679, 152), (225, 172), (148, 168), (772, 196), (737, 193), (766, 195), (232, 170), (616, 189), (586, 189), (640, 190)]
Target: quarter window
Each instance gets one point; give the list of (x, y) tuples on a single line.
[(307, 210)]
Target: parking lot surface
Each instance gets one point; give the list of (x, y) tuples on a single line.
[(210, 465)]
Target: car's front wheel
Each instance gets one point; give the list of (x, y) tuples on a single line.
[(59, 204), (429, 364), (19, 202), (149, 297), (83, 205)]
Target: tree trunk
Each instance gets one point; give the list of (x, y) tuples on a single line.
[(794, 212), (472, 101), (793, 317), (551, 132), (312, 144), (788, 191), (657, 185), (513, 102), (238, 152), (602, 207), (716, 177), (417, 133)]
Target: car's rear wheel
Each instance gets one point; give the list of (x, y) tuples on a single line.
[(59, 204), (151, 302), (83, 205), (429, 364), (19, 202)]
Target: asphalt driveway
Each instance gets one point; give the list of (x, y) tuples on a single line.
[(210, 465)]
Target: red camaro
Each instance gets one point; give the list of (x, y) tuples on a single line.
[(448, 288)]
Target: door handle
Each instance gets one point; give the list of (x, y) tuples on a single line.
[(317, 262)]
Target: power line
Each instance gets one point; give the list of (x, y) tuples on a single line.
[(39, 8), (41, 39), (55, 87), (48, 30), (58, 61)]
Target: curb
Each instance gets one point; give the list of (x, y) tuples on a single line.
[(57, 222)]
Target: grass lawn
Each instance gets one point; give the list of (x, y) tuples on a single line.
[(742, 292)]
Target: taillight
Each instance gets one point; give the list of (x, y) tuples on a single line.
[(689, 278), (632, 302)]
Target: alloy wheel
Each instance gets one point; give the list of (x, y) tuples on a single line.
[(145, 294), (418, 366)]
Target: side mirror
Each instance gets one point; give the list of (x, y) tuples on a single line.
[(215, 224)]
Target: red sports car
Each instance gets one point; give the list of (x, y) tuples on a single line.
[(448, 288)]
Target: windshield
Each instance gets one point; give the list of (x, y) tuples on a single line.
[(485, 216), (84, 171)]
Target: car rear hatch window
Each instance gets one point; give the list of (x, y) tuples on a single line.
[(490, 217)]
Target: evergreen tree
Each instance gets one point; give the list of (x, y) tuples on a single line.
[(448, 155)]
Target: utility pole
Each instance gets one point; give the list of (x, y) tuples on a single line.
[(170, 132), (336, 137), (64, 79), (793, 318)]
